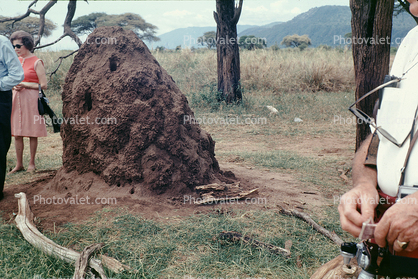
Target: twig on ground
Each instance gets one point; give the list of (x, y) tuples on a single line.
[(236, 236), (305, 217)]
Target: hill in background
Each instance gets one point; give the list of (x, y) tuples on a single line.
[(324, 25)]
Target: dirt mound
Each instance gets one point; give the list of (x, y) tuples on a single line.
[(124, 121)]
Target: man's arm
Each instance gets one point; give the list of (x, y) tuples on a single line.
[(358, 204), (14, 70), (364, 175)]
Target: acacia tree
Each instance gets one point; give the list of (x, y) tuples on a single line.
[(252, 42), (296, 40), (208, 38), (226, 17), (29, 24), (370, 21), (144, 30)]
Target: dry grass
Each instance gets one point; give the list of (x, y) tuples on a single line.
[(270, 71)]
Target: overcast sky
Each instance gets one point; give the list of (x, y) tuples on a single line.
[(170, 15)]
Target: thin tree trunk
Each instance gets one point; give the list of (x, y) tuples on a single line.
[(371, 25), (226, 17)]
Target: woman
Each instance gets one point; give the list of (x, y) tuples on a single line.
[(25, 116)]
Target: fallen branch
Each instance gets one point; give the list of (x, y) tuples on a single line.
[(81, 264), (33, 236), (209, 199), (236, 236), (213, 186), (305, 217)]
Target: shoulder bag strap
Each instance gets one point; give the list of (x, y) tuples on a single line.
[(408, 154)]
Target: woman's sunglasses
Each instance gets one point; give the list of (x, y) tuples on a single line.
[(17, 46)]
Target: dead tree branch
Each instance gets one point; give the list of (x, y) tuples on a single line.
[(42, 20), (305, 217), (36, 238), (19, 18), (81, 264), (67, 26), (61, 58)]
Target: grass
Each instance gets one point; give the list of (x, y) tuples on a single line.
[(313, 85), (186, 247)]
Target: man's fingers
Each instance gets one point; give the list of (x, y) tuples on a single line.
[(381, 232), (349, 226), (354, 217)]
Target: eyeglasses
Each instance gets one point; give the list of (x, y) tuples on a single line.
[(17, 46), (367, 119)]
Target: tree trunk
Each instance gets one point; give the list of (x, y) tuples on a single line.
[(226, 17), (371, 25)]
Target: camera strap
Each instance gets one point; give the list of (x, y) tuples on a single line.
[(411, 146)]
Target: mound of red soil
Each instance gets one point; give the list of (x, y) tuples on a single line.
[(124, 121)]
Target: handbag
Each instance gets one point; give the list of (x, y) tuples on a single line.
[(42, 101), (44, 108)]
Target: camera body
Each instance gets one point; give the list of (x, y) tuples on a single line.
[(405, 190)]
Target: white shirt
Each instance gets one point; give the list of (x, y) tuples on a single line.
[(396, 116)]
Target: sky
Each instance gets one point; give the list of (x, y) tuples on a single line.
[(168, 15)]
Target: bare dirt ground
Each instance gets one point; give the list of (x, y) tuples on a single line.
[(276, 188)]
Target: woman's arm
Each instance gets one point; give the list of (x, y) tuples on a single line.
[(40, 71)]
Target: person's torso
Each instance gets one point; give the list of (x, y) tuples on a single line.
[(396, 115), (29, 69)]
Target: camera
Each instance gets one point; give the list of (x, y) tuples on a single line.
[(405, 190)]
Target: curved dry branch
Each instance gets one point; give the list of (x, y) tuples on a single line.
[(18, 18), (67, 26), (42, 20), (61, 58), (67, 23), (33, 236)]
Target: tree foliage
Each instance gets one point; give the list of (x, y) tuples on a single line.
[(28, 24), (130, 21), (208, 38), (252, 42), (296, 41)]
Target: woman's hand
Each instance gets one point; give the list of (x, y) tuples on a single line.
[(18, 87)]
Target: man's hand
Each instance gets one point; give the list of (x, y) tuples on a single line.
[(357, 206), (400, 222)]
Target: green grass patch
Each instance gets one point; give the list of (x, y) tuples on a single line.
[(190, 246)]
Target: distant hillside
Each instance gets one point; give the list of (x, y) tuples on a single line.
[(324, 25), (187, 36)]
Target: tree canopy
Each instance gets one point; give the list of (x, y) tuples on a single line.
[(296, 41), (252, 42), (28, 24), (208, 38), (130, 21)]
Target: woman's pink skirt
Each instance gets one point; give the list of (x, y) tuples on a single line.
[(26, 121)]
